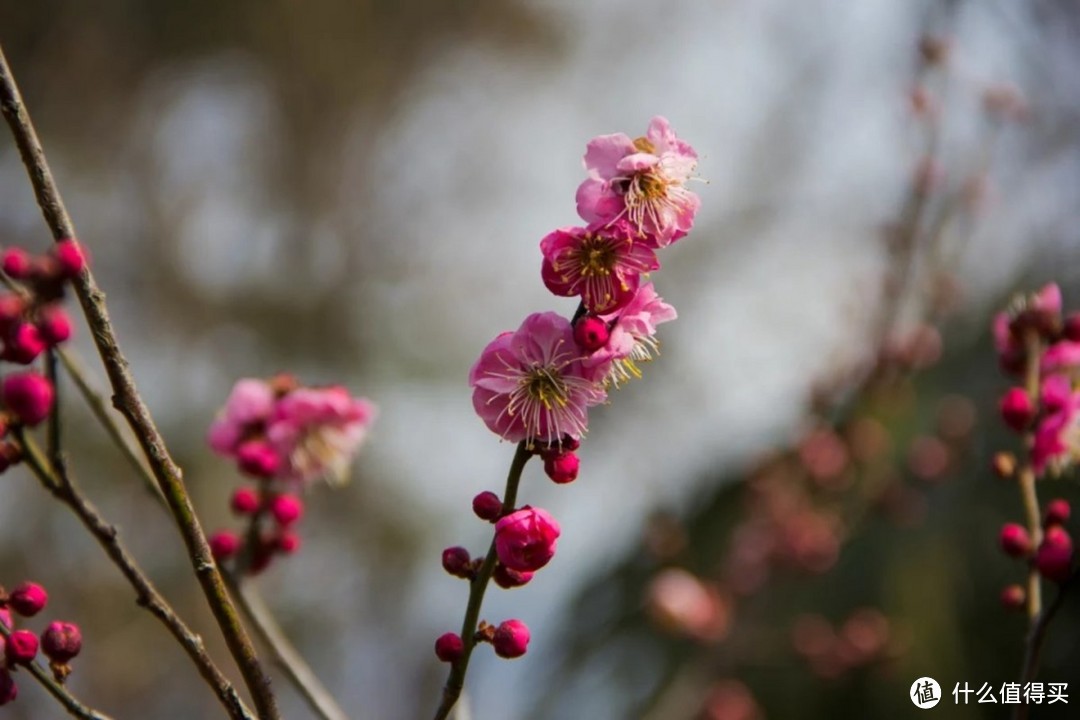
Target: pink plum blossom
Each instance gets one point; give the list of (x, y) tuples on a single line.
[(602, 264), (1057, 435), (246, 411), (531, 385), (1063, 355), (525, 539), (632, 338), (317, 431), (643, 180)]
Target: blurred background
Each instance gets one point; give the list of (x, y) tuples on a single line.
[(792, 515)]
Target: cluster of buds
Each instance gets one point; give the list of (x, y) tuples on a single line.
[(60, 641), (32, 321), (284, 436), (1035, 341), (535, 385)]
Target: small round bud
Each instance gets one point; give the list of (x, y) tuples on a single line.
[(29, 396), (244, 501), (54, 325), (16, 263), (224, 544), (28, 599), (288, 543), (61, 641), (562, 468), (591, 333), (12, 308), (511, 639), (506, 578), (1015, 540), (455, 560), (258, 459), (1053, 559), (1016, 408), (21, 647), (487, 506), (22, 344), (1057, 512), (449, 647), (286, 509), (1003, 464), (71, 257), (8, 690), (1013, 597)]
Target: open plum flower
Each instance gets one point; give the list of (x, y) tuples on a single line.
[(531, 384), (281, 430), (643, 180), (601, 263), (631, 338)]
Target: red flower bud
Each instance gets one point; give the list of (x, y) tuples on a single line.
[(71, 257), (1057, 512), (22, 344), (1016, 408), (61, 641), (21, 647), (1015, 540), (244, 501), (1053, 559), (16, 263), (29, 396), (449, 647), (591, 333), (562, 468), (224, 544), (525, 540), (54, 325), (286, 509), (487, 506), (455, 560), (257, 459), (28, 599), (511, 639)]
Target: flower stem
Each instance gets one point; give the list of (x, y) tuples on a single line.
[(456, 680), (1026, 479)]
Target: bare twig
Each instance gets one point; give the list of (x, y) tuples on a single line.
[(126, 399), (61, 485), (57, 690), (1034, 642)]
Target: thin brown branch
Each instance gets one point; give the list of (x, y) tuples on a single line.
[(63, 487), (57, 690), (126, 399), (1034, 643), (287, 657)]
